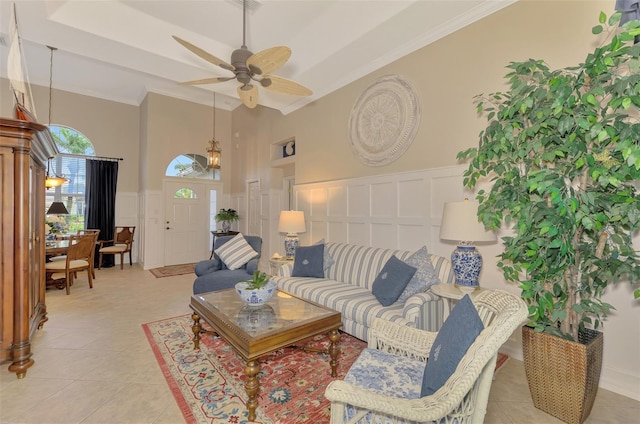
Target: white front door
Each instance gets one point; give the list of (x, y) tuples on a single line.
[(186, 221)]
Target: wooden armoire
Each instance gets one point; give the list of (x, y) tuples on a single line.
[(24, 151)]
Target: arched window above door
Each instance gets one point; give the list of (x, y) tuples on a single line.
[(191, 165)]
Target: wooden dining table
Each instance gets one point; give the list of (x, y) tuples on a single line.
[(56, 248)]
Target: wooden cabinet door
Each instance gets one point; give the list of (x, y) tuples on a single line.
[(6, 252)]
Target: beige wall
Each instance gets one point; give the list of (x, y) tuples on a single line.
[(148, 137), (112, 127), (447, 74), (173, 127)]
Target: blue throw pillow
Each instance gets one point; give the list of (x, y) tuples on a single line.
[(392, 280), (458, 332), (328, 259), (424, 277), (308, 261)]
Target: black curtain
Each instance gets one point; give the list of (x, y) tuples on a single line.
[(102, 179)]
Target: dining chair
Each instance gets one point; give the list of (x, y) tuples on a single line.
[(97, 233), (79, 258), (82, 232), (121, 244)]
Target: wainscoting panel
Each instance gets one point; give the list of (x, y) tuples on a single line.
[(400, 211), (319, 230), (127, 213), (413, 236), (154, 231), (384, 200), (337, 201), (336, 231), (383, 233), (358, 200), (318, 205), (413, 196), (358, 233)]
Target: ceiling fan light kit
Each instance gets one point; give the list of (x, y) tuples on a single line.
[(249, 67)]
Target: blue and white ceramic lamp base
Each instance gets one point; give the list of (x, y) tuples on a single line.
[(467, 263), (291, 242)]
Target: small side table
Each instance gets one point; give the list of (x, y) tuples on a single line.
[(277, 263), (452, 293)]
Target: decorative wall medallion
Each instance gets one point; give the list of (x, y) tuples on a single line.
[(384, 120)]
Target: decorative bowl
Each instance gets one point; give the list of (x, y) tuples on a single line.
[(256, 297)]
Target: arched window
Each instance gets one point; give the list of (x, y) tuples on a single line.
[(72, 192), (191, 165)]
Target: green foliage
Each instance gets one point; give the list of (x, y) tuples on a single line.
[(227, 215), (71, 141), (184, 193), (258, 280), (562, 150)]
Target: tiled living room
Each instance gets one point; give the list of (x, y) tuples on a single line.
[(103, 354), (94, 364)]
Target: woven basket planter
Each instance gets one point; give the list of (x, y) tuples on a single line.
[(563, 375)]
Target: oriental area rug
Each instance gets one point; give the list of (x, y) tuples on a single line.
[(172, 270), (208, 384)]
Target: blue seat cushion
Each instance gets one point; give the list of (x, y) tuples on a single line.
[(219, 280), (387, 374)]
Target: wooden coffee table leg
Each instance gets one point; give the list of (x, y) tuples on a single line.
[(334, 350), (252, 387), (196, 328)]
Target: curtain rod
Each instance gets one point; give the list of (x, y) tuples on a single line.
[(71, 155)]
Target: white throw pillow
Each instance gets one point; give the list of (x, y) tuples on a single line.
[(236, 252)]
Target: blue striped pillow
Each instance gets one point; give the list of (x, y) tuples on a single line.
[(236, 252)]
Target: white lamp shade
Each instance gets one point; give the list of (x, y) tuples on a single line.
[(460, 223), (291, 222)]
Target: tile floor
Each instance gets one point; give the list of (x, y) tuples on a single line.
[(93, 363)]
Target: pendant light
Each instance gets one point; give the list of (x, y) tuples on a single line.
[(214, 152), (57, 208), (55, 180)]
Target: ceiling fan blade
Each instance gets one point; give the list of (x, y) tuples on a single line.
[(249, 95), (268, 60), (204, 55), (285, 86), (213, 80)]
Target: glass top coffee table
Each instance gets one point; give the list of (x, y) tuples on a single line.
[(254, 331)]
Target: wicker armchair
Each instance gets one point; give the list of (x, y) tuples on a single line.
[(464, 396)]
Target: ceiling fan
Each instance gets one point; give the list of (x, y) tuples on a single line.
[(250, 69)]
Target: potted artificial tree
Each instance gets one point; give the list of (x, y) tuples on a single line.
[(226, 217), (562, 152)]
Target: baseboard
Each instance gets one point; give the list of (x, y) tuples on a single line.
[(610, 379), (620, 383)]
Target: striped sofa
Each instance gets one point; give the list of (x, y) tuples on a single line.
[(346, 287)]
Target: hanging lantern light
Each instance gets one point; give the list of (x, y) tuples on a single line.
[(214, 153), (52, 181)]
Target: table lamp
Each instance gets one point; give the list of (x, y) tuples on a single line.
[(460, 223), (57, 208), (292, 223)]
